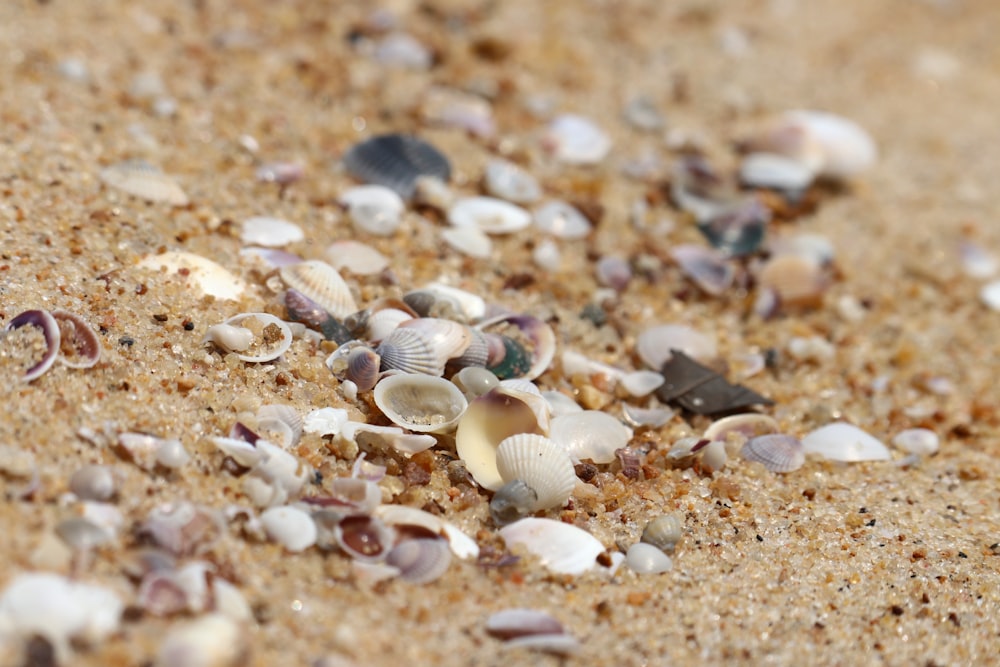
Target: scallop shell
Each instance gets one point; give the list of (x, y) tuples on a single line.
[(270, 232), (44, 320), (508, 181), (560, 547), (321, 283), (489, 215), (359, 258), (450, 339), (421, 560), (574, 139), (412, 351), (290, 527), (476, 355), (374, 209), (396, 161), (653, 345), (841, 441), (421, 403), (490, 419), (590, 434), (204, 274), (542, 464), (272, 338), (303, 309), (646, 559), (145, 181), (562, 221), (709, 269), (776, 451), (663, 532), (280, 419)]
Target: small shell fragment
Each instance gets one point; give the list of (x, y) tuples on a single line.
[(562, 220), (141, 179), (374, 209), (489, 215), (290, 527), (508, 181), (270, 232), (645, 558), (576, 140), (560, 547), (841, 441), (919, 441), (470, 241), (210, 278)]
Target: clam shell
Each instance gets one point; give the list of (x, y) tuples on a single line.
[(919, 441), (270, 232), (535, 335), (396, 161), (145, 181), (422, 403), (44, 320), (461, 544), (204, 274), (271, 336), (321, 283), (663, 532), (827, 144), (653, 345), (78, 342), (574, 139), (489, 215), (440, 300), (374, 209), (421, 560), (560, 547), (508, 181), (709, 269), (542, 464), (590, 434), (776, 451), (562, 221), (364, 538), (359, 258), (841, 441), (476, 355), (646, 559), (490, 419), (470, 241), (777, 172), (740, 428), (474, 381), (290, 527), (363, 367), (94, 482)]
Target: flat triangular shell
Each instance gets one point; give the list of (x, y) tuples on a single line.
[(560, 547), (841, 441)]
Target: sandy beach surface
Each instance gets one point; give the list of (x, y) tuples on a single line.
[(882, 562)]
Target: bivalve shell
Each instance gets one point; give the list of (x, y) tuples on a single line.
[(530, 333), (841, 441), (207, 276), (508, 181), (270, 339), (541, 464), (43, 320), (374, 209), (270, 232), (653, 345), (663, 532), (359, 258), (79, 345), (321, 283), (461, 544), (290, 527), (364, 538), (145, 181), (777, 452), (489, 215), (421, 560), (574, 139), (416, 349), (918, 441), (644, 558), (560, 547), (422, 403), (396, 161), (562, 221), (590, 434)]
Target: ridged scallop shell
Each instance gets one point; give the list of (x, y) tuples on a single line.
[(421, 560), (590, 434), (740, 428), (270, 337), (410, 351), (449, 338), (542, 464), (489, 215), (476, 354), (422, 403), (280, 419), (145, 181), (321, 283), (777, 452), (560, 547), (396, 161), (363, 365), (488, 421)]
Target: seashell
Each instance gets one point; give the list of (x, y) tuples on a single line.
[(540, 463), (574, 363), (644, 558), (449, 338), (776, 172), (653, 345), (282, 419), (505, 357), (796, 279), (79, 534), (145, 181), (148, 451), (470, 241), (776, 451), (591, 435), (440, 300), (184, 529), (400, 49), (266, 260), (374, 209), (171, 454), (560, 547), (461, 544), (244, 453), (210, 640), (364, 538), (508, 181), (489, 215), (321, 283), (490, 419), (207, 276), (363, 365), (977, 262), (513, 501), (531, 334), (642, 114), (712, 456), (709, 269), (663, 532), (812, 348), (546, 255), (474, 381), (697, 189), (918, 441), (576, 140), (431, 192), (228, 337), (282, 173), (94, 482), (561, 220), (561, 404), (290, 527), (841, 441), (654, 417), (325, 421), (458, 109), (270, 232), (685, 448), (526, 628), (829, 145), (362, 496), (282, 471), (740, 428), (613, 272), (421, 403), (421, 560), (641, 383), (989, 295), (476, 355), (737, 230), (384, 316), (412, 351), (271, 337), (359, 258), (388, 436), (44, 320), (306, 311), (396, 161), (78, 342)]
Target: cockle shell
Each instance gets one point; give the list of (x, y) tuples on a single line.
[(363, 365), (145, 181), (422, 403), (841, 441), (776, 451), (396, 161), (321, 283), (590, 434), (79, 345), (280, 419), (46, 322), (423, 345), (489, 215), (560, 547), (540, 463), (374, 209)]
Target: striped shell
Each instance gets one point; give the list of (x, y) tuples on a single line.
[(423, 345), (422, 560), (363, 367), (396, 161), (145, 181), (777, 452), (321, 283), (542, 464)]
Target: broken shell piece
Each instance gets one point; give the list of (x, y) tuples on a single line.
[(738, 229), (396, 161), (489, 215), (707, 268), (645, 558), (474, 381), (364, 538), (562, 221), (78, 343), (641, 383), (653, 345), (559, 547), (359, 258), (541, 464), (290, 527), (456, 108), (653, 417), (270, 232), (918, 441), (374, 209), (141, 179), (321, 283), (209, 277), (271, 337), (421, 403), (740, 428), (461, 544), (470, 241), (508, 181), (184, 529), (590, 435), (777, 452), (526, 628), (421, 560), (573, 139), (43, 320), (361, 495), (777, 172), (841, 441), (712, 456)]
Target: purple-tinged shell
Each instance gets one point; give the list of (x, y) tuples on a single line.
[(184, 529), (42, 319), (532, 333), (79, 344), (363, 367), (709, 269), (282, 173), (614, 272), (777, 452), (515, 623), (422, 560), (364, 538)]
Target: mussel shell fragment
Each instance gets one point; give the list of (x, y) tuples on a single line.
[(303, 309), (396, 161)]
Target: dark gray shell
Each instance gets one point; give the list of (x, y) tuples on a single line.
[(396, 161)]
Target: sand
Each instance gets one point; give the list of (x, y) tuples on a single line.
[(832, 564)]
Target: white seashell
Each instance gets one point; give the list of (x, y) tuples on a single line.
[(641, 383), (271, 336), (144, 450), (321, 283), (590, 434), (740, 428), (663, 532), (461, 544), (827, 144), (559, 547), (776, 451), (470, 241), (654, 417), (229, 337), (708, 268), (171, 454), (474, 381), (374, 209), (526, 628), (490, 419), (325, 421), (364, 538), (450, 339), (266, 260), (290, 527), (919, 441), (277, 477), (141, 179), (412, 351), (283, 419), (359, 258), (362, 495), (421, 403), (400, 49), (561, 404), (212, 640), (470, 306), (989, 294), (644, 558), (384, 321), (508, 181), (547, 255), (270, 232), (489, 215), (207, 276), (713, 456), (541, 464), (977, 262), (841, 441), (421, 560), (778, 172), (562, 221), (614, 272), (573, 139), (654, 345), (455, 108), (93, 482)]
